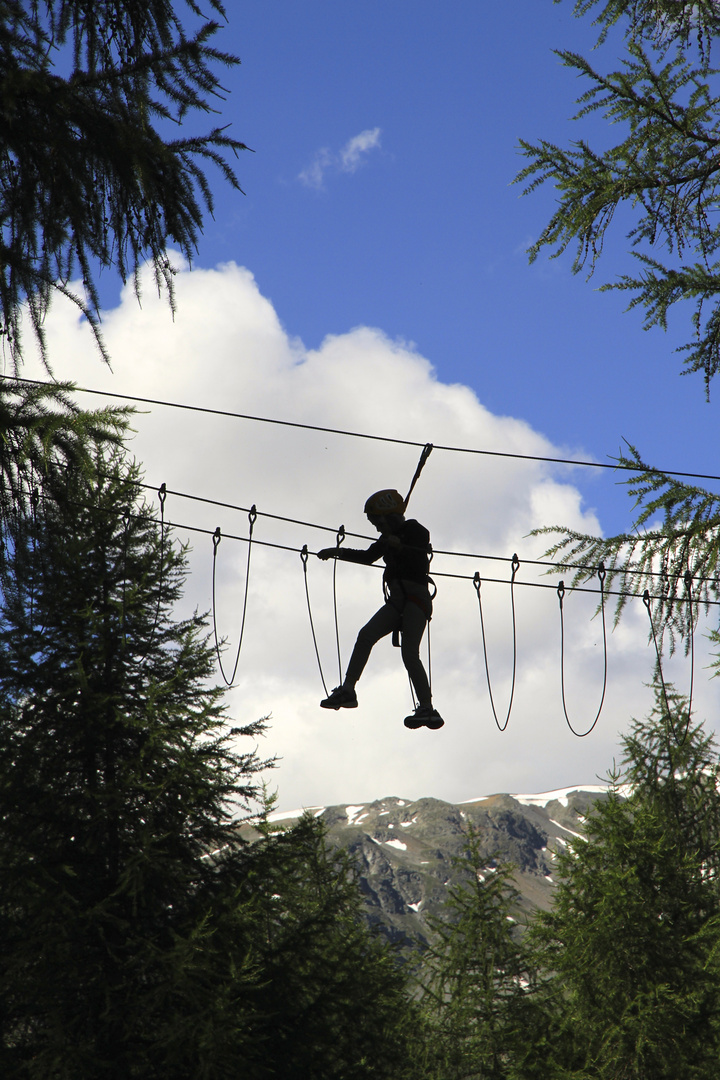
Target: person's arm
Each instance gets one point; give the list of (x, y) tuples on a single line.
[(356, 555)]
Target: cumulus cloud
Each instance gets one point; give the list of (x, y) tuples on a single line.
[(348, 159), (227, 349)]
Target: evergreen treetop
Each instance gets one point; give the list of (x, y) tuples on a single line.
[(88, 175), (664, 170)]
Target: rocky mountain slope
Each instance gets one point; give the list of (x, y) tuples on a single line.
[(404, 850)]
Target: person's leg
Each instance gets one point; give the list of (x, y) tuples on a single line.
[(382, 623), (413, 628)]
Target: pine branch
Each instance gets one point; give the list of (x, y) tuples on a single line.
[(653, 557)]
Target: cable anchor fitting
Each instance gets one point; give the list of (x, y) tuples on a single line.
[(162, 494), (340, 536), (252, 516), (217, 537)]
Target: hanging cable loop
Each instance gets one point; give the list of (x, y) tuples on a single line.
[(338, 541), (601, 573), (304, 559), (515, 565), (217, 537), (162, 495), (646, 601)]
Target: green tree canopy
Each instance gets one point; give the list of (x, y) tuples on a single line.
[(89, 175), (125, 951), (663, 169), (631, 941)]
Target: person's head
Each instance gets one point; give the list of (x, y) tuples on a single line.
[(385, 510)]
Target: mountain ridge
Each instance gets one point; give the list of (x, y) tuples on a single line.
[(404, 850)]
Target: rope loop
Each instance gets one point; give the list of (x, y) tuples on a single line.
[(340, 537), (687, 578), (304, 558), (514, 567), (601, 572), (162, 495), (216, 538)]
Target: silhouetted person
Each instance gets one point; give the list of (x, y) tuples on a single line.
[(405, 548)]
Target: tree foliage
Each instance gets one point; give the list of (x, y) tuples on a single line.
[(664, 170), (143, 935), (89, 177), (632, 938), (475, 978)]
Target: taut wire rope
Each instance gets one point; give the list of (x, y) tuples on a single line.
[(515, 566), (561, 594), (304, 558), (363, 434), (338, 541), (217, 536), (646, 602)]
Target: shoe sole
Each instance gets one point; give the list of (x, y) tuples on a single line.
[(336, 708), (434, 723)]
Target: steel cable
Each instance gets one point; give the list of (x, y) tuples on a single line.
[(561, 594), (515, 564), (217, 536)]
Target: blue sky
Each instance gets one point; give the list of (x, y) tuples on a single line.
[(373, 278), (426, 238)]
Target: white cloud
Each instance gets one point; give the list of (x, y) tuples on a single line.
[(348, 159), (351, 153), (227, 349)]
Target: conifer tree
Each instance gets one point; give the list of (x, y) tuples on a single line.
[(333, 1001), (476, 977), (665, 171), (90, 176), (126, 952), (141, 935), (631, 942)]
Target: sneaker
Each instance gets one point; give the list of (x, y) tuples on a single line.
[(341, 698), (424, 716)]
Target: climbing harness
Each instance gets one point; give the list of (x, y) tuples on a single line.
[(561, 594), (646, 601), (515, 565), (338, 541), (304, 558), (426, 452), (217, 536)]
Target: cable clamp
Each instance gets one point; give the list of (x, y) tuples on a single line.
[(515, 565), (162, 494), (561, 592), (602, 573), (217, 537), (340, 536), (304, 556), (252, 516)]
